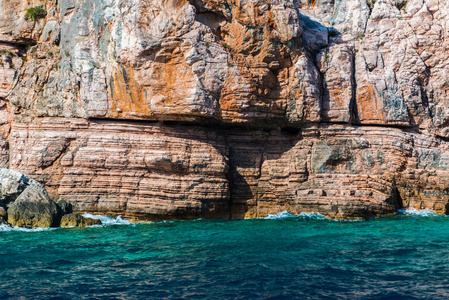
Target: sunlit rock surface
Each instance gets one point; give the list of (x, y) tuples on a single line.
[(217, 109)]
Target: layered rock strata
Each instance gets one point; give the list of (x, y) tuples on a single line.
[(155, 171), (217, 109)]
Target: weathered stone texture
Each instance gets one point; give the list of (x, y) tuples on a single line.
[(265, 64), (139, 169), (74, 220), (338, 107), (27, 202), (157, 171)]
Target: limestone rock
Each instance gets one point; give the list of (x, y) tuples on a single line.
[(66, 208), (379, 62), (34, 209), (337, 65), (74, 220), (184, 109), (144, 170), (3, 212), (12, 184)]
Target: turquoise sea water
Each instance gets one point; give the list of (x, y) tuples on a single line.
[(281, 257)]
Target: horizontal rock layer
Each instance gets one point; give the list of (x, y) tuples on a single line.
[(114, 167), (155, 171), (338, 107)]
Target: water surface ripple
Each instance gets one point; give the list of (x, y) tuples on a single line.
[(285, 257)]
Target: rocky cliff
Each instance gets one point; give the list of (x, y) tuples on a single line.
[(228, 109)]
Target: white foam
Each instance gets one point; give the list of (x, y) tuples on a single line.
[(105, 221), (108, 221), (280, 215), (4, 227), (286, 215), (313, 216), (419, 213)]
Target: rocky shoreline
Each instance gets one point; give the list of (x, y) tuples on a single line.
[(159, 110), (25, 203)]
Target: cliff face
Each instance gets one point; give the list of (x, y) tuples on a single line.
[(223, 109)]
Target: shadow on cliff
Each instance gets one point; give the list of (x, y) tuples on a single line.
[(318, 40), (250, 176), (245, 150)]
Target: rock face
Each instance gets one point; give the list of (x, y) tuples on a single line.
[(3, 216), (74, 220), (216, 109), (12, 184), (65, 207), (34, 209), (3, 213), (25, 203)]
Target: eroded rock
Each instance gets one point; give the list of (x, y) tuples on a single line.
[(34, 209), (3, 216), (75, 220), (66, 208), (337, 107), (12, 184)]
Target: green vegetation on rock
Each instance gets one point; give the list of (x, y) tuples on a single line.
[(35, 13)]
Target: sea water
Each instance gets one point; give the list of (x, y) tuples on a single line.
[(280, 257)]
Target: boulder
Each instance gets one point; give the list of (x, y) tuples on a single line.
[(74, 220), (34, 208), (12, 183), (66, 208)]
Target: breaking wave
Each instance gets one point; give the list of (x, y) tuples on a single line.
[(311, 216), (107, 221), (4, 227), (411, 212), (418, 213), (304, 216)]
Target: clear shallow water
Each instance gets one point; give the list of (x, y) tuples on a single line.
[(280, 257)]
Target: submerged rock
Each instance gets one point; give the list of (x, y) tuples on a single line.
[(34, 209), (74, 220)]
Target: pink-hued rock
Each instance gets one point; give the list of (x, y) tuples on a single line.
[(155, 171), (131, 168), (184, 109)]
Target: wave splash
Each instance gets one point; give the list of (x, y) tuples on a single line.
[(418, 213), (110, 221), (4, 227), (304, 216), (107, 221), (411, 212)]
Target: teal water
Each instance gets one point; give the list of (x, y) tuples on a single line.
[(307, 257)]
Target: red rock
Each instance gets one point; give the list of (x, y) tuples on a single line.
[(223, 110)]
